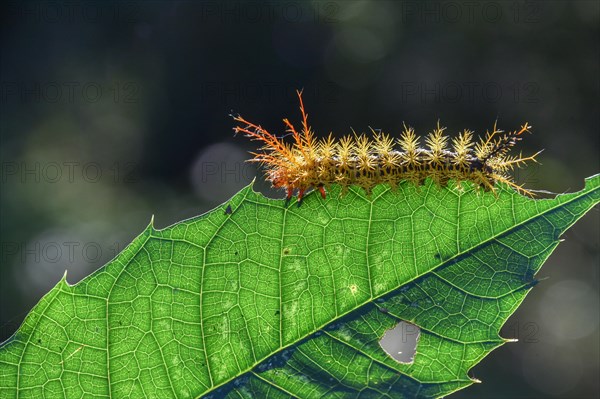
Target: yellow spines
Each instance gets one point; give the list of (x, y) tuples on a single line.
[(326, 150), (435, 158), (344, 152), (389, 160), (362, 151), (437, 143), (409, 142), (383, 146), (461, 146)]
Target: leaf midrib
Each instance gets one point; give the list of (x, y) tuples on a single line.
[(458, 254)]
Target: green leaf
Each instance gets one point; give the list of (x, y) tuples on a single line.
[(260, 299)]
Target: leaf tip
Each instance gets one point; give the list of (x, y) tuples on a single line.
[(540, 279), (250, 188), (592, 183), (594, 179), (63, 280)]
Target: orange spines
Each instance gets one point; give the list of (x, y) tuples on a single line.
[(310, 163)]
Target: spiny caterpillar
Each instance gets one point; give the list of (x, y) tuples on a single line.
[(311, 163)]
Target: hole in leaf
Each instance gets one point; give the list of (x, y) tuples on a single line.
[(401, 342)]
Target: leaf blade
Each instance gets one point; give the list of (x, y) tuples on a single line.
[(259, 298)]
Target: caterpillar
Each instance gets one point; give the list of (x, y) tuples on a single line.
[(311, 163)]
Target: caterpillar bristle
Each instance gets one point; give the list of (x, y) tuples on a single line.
[(311, 163)]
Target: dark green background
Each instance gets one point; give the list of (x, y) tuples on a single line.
[(111, 112)]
